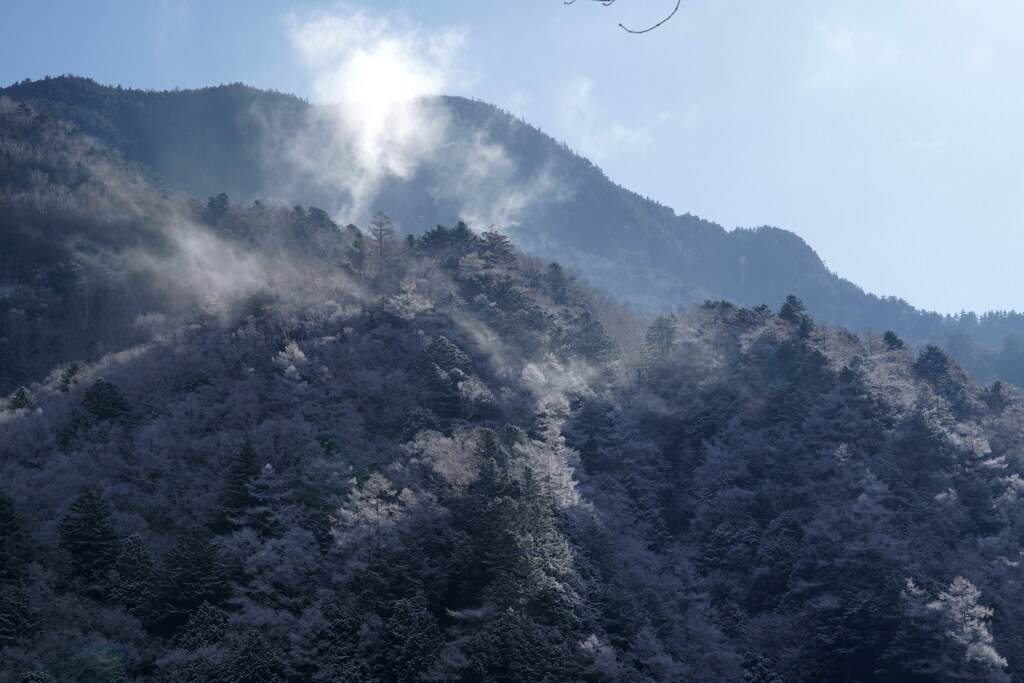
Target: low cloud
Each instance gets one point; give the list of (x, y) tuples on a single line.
[(373, 80), (378, 120)]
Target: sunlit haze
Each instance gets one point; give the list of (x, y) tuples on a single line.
[(887, 135)]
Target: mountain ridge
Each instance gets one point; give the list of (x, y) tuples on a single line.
[(212, 140)]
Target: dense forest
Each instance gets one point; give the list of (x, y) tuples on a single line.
[(495, 168), (240, 442)]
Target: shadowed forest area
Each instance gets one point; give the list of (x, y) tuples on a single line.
[(242, 442)]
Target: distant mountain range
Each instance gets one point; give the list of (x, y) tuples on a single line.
[(241, 141)]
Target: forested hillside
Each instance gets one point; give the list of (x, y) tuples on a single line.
[(490, 167), (244, 443)]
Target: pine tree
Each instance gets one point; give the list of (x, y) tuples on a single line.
[(103, 664), (660, 336), (105, 400), (21, 399), (205, 627), (192, 573), (757, 669), (558, 283), (495, 249), (68, 374), (658, 340), (892, 341), (236, 497), (13, 541), (446, 355), (37, 677), (792, 309), (252, 662), (409, 643), (17, 616), (933, 364), (383, 233), (132, 583), (87, 533), (587, 337), (216, 208), (269, 495), (356, 252), (514, 647)]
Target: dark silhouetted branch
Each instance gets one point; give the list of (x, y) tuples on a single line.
[(606, 3)]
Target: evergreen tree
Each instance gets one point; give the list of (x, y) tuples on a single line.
[(37, 677), (68, 374), (235, 496), (933, 363), (205, 627), (410, 641), (216, 208), (105, 400), (383, 233), (892, 341), (87, 533), (269, 496), (586, 337), (18, 618), (757, 669), (14, 551), (64, 278), (660, 336), (446, 355), (920, 650), (495, 249), (793, 309), (132, 582), (21, 399), (515, 648), (558, 283), (191, 573), (103, 664), (355, 252), (8, 360), (658, 342), (252, 662)]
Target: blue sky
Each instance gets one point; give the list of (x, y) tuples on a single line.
[(888, 135)]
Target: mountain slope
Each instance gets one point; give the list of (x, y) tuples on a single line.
[(292, 451), (243, 142)]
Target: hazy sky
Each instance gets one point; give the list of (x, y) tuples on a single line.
[(886, 134)]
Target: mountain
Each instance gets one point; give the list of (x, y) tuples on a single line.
[(253, 144), (253, 445)]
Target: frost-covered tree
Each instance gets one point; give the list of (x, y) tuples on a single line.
[(967, 624), (133, 577)]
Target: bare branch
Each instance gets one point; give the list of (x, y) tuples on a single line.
[(606, 3), (628, 30)]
